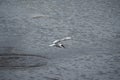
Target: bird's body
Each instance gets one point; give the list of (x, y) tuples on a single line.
[(57, 43)]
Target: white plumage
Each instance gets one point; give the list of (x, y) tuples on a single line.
[(57, 43)]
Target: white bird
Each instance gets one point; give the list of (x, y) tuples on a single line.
[(57, 43)]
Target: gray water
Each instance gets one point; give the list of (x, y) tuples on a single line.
[(92, 54)]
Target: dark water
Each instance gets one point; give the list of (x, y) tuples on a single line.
[(29, 26)]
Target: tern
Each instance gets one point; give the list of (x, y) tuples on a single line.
[(57, 43)]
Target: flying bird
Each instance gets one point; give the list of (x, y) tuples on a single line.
[(58, 42)]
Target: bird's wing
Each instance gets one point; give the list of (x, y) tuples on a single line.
[(56, 41), (59, 40), (66, 38), (52, 45)]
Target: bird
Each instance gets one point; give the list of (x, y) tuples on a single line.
[(58, 42)]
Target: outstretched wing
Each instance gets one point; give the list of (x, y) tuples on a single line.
[(59, 40), (56, 41), (52, 45), (66, 38)]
